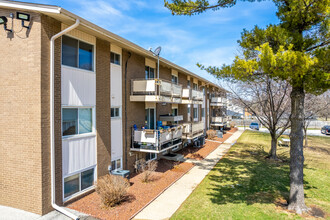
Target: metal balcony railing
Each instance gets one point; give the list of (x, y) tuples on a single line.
[(162, 90), (156, 141)]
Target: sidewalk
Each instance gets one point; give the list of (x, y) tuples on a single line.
[(167, 203)]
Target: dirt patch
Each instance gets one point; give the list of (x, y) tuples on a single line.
[(140, 193), (316, 212)]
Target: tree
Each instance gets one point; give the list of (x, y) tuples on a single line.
[(269, 101), (303, 61)]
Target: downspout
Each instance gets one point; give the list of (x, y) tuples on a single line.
[(129, 56), (52, 139)]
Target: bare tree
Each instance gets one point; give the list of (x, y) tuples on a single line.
[(269, 101), (315, 106)]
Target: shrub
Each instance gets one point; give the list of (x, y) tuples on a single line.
[(232, 124), (112, 189), (146, 169), (211, 134)]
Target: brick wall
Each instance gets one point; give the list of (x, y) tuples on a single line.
[(135, 110), (103, 107), (21, 117)]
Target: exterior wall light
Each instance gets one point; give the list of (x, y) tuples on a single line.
[(4, 20), (23, 17)]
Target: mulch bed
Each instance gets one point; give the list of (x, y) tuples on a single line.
[(200, 153), (140, 193)]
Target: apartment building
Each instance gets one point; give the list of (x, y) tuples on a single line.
[(77, 101)]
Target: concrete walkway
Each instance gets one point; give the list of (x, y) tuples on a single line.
[(167, 203), (9, 213)]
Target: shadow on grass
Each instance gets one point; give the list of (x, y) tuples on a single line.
[(245, 176)]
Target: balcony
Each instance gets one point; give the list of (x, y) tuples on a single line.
[(191, 96), (218, 101), (154, 90), (218, 121), (193, 130), (156, 141)]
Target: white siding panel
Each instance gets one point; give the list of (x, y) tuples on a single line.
[(78, 154), (78, 87), (116, 85), (116, 139)]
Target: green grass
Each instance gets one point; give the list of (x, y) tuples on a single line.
[(245, 185)]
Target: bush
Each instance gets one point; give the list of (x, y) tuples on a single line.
[(211, 134), (146, 168), (232, 124), (112, 189)]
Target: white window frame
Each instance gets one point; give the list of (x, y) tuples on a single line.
[(74, 136), (119, 58), (176, 79), (94, 54), (119, 110), (80, 192), (116, 168), (195, 119)]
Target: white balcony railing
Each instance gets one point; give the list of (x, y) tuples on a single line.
[(218, 101), (197, 95), (219, 119), (149, 140), (192, 128), (186, 93), (154, 90)]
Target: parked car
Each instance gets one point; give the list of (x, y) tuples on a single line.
[(325, 129), (254, 125)]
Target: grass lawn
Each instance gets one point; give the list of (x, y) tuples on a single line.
[(245, 185)]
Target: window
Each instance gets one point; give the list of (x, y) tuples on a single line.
[(195, 112), (203, 112), (188, 84), (115, 112), (76, 53), (174, 112), (174, 79), (76, 121), (116, 164), (115, 58), (195, 86), (78, 182), (151, 156), (150, 72)]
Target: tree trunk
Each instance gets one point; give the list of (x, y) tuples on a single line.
[(297, 200), (273, 149)]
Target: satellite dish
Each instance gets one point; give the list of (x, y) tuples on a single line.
[(157, 51)]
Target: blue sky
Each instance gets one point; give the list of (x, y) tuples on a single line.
[(209, 38)]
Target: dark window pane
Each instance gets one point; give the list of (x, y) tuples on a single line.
[(115, 58), (85, 120), (152, 73), (87, 179), (118, 164), (69, 51), (113, 165), (152, 118), (117, 112), (71, 185), (69, 121), (147, 72), (85, 56)]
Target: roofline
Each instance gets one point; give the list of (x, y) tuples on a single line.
[(58, 10)]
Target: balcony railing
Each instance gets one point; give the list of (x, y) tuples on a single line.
[(156, 141), (218, 121), (192, 130), (197, 95), (154, 90), (218, 101)]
